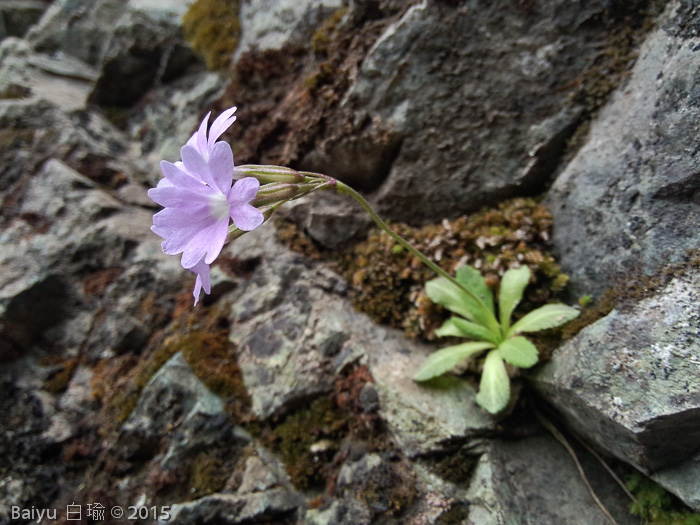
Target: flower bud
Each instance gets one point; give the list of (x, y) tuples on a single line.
[(275, 192), (267, 174)]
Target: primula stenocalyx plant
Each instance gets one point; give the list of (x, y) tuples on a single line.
[(476, 319), (208, 201)]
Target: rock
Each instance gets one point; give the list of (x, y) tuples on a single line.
[(68, 24), (534, 480), (176, 404), (381, 485), (17, 16), (628, 201), (293, 336), (423, 417), (287, 327), (61, 80), (264, 494), (456, 106), (629, 381), (87, 296), (173, 9), (272, 504), (257, 477), (682, 480), (144, 49), (133, 42), (328, 218), (33, 426), (269, 24), (340, 512), (67, 224), (369, 398)]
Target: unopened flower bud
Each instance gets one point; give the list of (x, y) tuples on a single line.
[(267, 174), (275, 192)]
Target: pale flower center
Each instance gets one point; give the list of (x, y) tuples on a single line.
[(218, 206)]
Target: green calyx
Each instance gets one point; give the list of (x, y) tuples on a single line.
[(476, 320)]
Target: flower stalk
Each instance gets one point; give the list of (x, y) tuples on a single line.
[(344, 188), (291, 185)]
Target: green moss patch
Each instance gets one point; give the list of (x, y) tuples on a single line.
[(656, 506), (213, 28)]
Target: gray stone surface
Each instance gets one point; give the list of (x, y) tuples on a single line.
[(264, 494), (61, 80), (162, 127), (629, 381), (77, 28), (86, 230), (176, 405), (534, 480), (629, 201), (133, 47), (17, 16), (274, 24), (682, 480), (287, 327), (148, 50), (470, 103), (230, 508), (340, 512), (423, 417)]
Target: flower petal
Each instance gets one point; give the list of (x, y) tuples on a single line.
[(163, 182), (221, 124), (243, 191), (203, 279), (246, 217), (180, 238), (162, 231), (177, 177), (174, 197), (196, 166), (192, 141), (202, 137), (176, 218), (208, 240), (221, 166)]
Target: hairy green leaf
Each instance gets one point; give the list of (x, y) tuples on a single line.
[(518, 351), (441, 291), (513, 285), (494, 388), (474, 330), (449, 328), (547, 316), (473, 281), (446, 359)]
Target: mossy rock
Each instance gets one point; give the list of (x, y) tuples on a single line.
[(213, 28)]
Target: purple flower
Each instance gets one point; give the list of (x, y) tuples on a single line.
[(205, 144), (199, 198)]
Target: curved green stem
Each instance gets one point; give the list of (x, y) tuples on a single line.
[(344, 188)]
